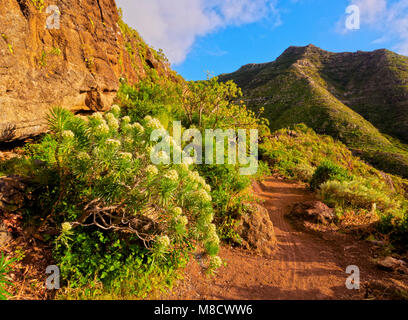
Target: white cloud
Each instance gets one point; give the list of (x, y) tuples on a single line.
[(388, 17), (174, 25)]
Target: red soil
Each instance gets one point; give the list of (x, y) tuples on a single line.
[(304, 266)]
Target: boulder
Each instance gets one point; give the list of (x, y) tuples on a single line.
[(313, 211), (256, 230), (12, 194), (392, 264), (5, 236)]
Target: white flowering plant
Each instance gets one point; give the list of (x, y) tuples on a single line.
[(107, 183)]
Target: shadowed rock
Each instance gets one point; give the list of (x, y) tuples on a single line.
[(314, 211)]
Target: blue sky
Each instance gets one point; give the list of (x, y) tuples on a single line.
[(219, 36)]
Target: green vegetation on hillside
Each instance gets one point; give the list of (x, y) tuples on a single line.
[(342, 180), (351, 97)]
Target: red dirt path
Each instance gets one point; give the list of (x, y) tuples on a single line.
[(304, 266)]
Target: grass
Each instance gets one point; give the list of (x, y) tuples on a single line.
[(5, 269)]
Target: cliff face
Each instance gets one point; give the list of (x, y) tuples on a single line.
[(76, 66)]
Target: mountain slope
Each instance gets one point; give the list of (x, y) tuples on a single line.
[(359, 98)]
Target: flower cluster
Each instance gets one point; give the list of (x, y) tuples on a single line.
[(182, 220), (215, 262), (162, 157), (152, 170), (113, 123), (66, 226), (138, 127), (103, 128), (113, 143), (177, 211), (163, 241), (172, 175), (97, 116), (115, 109), (68, 135), (195, 178), (126, 119), (153, 123), (126, 156)]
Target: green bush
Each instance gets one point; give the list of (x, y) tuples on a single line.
[(303, 172), (328, 171), (357, 194), (228, 202), (115, 209)]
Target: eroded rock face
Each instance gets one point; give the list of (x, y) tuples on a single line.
[(314, 211), (77, 66)]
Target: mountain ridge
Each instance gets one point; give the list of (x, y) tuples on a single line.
[(359, 98)]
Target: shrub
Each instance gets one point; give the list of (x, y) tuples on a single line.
[(116, 211), (227, 186), (303, 172), (327, 171), (356, 194)]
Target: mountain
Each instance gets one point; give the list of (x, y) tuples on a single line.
[(358, 98), (76, 66)]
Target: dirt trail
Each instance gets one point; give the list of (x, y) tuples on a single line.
[(304, 266)]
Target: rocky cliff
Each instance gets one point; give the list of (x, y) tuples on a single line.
[(70, 53)]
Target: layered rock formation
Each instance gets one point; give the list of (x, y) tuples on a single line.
[(76, 66)]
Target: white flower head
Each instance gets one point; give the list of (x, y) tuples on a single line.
[(213, 237), (116, 109), (83, 156), (184, 168), (112, 122), (215, 262), (126, 156), (154, 124), (152, 170), (161, 157), (110, 116), (126, 119), (68, 135), (138, 127), (66, 226), (172, 175), (113, 143), (128, 140), (203, 195), (103, 128), (163, 241), (212, 229), (177, 211), (97, 116), (181, 220)]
